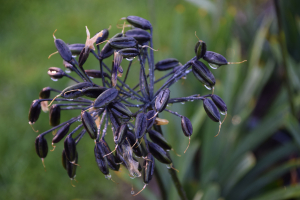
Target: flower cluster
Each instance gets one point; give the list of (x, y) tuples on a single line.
[(107, 105)]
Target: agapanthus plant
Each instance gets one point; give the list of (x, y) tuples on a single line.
[(131, 111)]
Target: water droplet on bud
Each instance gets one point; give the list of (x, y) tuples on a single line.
[(207, 87), (213, 66), (130, 59)]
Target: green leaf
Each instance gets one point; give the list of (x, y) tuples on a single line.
[(281, 194), (268, 178), (254, 138), (246, 163), (264, 163), (293, 127), (254, 73), (211, 192)]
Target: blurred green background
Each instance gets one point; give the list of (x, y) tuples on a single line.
[(254, 157)]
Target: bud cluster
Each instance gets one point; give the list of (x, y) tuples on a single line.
[(130, 111)]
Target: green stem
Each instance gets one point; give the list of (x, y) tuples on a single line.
[(284, 52), (160, 185), (173, 174)]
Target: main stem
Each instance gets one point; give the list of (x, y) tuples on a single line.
[(173, 174)]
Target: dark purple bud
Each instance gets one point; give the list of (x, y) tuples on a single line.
[(215, 58), (89, 124), (140, 125), (203, 74), (84, 54), (104, 36), (211, 110), (148, 168), (151, 116), (100, 159), (63, 50), (106, 51), (93, 92), (74, 91), (167, 64), (70, 148), (110, 158), (121, 108), (95, 73), (162, 99), (159, 153), (54, 115), (139, 22), (159, 139), (140, 35), (41, 146), (219, 103), (34, 111), (71, 167), (200, 49), (122, 42), (61, 133), (129, 52), (106, 97), (45, 93), (187, 127), (145, 146), (76, 48)]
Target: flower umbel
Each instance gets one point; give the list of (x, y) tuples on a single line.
[(130, 111)]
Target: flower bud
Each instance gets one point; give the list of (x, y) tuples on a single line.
[(162, 100), (139, 22), (187, 127), (41, 146), (159, 153), (211, 110), (159, 139), (122, 42), (167, 64), (203, 74), (100, 159), (148, 168), (61, 133), (54, 115), (45, 93), (140, 35), (140, 125), (34, 111), (89, 124), (200, 49), (76, 48), (63, 50), (215, 58), (70, 148), (219, 103), (104, 36), (106, 97), (71, 167)]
